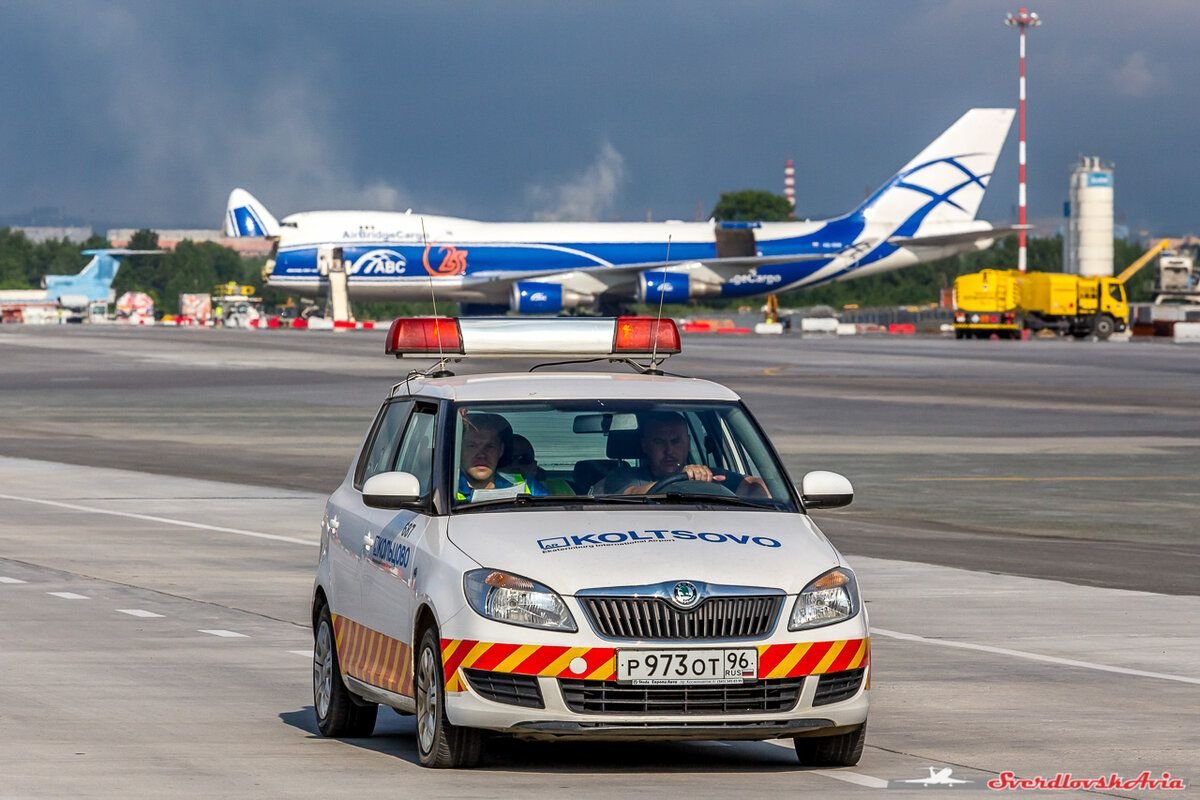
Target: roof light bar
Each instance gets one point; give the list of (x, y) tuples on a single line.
[(520, 337), (648, 335), (426, 336)]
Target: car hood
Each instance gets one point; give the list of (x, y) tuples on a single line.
[(573, 550)]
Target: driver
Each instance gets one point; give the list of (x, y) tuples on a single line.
[(664, 440), (485, 438)]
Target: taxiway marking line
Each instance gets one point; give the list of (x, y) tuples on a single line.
[(69, 595), (137, 612), (1004, 651), (224, 634), (5, 579), (851, 777), (1037, 478), (164, 520)]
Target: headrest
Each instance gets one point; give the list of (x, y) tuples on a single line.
[(624, 444)]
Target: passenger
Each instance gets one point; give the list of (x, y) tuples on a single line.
[(485, 438), (664, 440), (521, 459)]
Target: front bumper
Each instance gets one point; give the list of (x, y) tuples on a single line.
[(809, 688)]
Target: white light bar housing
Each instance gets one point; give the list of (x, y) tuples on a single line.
[(516, 337)]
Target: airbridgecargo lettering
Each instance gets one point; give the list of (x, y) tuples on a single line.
[(575, 541), (751, 279)]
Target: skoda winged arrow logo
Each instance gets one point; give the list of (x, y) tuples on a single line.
[(685, 594)]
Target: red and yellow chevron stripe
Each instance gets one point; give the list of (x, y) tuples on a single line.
[(812, 658), (599, 663), (373, 657)]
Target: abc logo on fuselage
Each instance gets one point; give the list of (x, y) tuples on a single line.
[(379, 262)]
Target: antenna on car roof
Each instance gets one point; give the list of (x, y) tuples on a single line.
[(662, 295), (440, 371)]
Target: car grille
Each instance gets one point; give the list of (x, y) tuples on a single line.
[(834, 687), (608, 697), (655, 618), (515, 690)]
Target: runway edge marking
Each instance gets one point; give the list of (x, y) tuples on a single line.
[(165, 520), (1004, 651)]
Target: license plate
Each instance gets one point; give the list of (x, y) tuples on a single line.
[(684, 667)]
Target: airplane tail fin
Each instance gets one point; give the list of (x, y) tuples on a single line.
[(946, 181), (246, 216)]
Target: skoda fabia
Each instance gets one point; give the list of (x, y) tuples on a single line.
[(581, 554)]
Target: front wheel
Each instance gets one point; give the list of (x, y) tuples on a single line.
[(1104, 327), (339, 713), (439, 744), (832, 751)]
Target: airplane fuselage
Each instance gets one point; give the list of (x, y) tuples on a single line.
[(396, 255)]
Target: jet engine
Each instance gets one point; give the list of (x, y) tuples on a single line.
[(672, 287), (534, 297)]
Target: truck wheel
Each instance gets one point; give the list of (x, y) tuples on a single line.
[(339, 713), (1104, 327), (439, 744), (832, 751)]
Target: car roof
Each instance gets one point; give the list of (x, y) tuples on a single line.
[(515, 386)]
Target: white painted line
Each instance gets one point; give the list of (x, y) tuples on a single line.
[(137, 612), (852, 777), (5, 579), (1004, 651), (69, 595), (226, 634), (305, 653), (165, 520)]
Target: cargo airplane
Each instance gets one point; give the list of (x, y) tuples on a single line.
[(923, 212)]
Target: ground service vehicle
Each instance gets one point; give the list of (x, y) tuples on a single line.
[(985, 302), (1005, 302), (579, 554)]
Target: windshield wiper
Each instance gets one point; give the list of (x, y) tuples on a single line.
[(713, 499), (551, 499)]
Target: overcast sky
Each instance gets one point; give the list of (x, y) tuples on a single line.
[(148, 113)]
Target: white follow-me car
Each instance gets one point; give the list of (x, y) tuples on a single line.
[(581, 554)]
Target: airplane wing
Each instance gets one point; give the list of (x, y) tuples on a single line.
[(962, 237), (611, 276)]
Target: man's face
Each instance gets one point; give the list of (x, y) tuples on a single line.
[(481, 450), (666, 447)]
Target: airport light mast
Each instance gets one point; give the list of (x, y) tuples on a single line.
[(1024, 18)]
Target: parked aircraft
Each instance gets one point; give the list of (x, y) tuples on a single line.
[(923, 212), (92, 284)]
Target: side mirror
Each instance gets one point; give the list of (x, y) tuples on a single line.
[(822, 489), (391, 489)]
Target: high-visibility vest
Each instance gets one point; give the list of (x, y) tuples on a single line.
[(517, 480)]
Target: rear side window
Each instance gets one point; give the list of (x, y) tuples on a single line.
[(381, 450)]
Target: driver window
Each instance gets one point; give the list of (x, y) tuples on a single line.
[(1116, 291), (416, 451)]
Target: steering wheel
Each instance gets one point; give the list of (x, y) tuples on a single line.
[(702, 487)]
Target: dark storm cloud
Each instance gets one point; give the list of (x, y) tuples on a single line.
[(149, 112)]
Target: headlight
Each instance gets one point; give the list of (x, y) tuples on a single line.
[(831, 598), (518, 601)]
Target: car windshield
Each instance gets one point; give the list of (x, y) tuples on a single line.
[(615, 451)]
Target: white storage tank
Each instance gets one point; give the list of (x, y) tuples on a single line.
[(1089, 239)]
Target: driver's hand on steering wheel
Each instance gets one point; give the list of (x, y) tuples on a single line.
[(699, 472)]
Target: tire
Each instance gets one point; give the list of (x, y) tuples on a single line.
[(440, 745), (339, 713), (832, 751), (1104, 327)]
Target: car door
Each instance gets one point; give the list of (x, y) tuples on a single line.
[(349, 526), (388, 568)]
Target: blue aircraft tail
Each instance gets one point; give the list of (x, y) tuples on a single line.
[(246, 216)]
